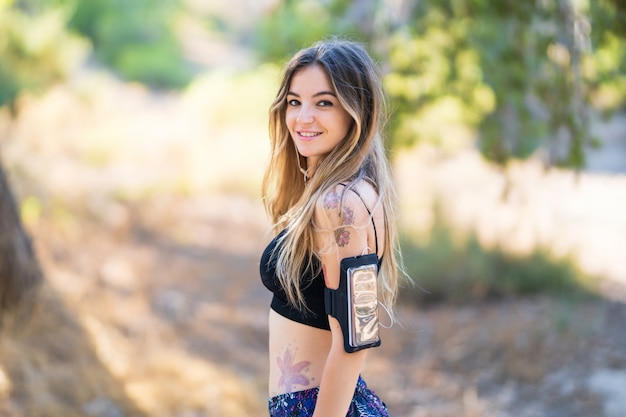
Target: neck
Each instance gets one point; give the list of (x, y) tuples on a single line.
[(311, 167)]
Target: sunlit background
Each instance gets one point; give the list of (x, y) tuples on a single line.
[(134, 138)]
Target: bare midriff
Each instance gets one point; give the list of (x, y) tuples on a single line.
[(297, 355)]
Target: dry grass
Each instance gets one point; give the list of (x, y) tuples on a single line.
[(109, 333), (52, 368)]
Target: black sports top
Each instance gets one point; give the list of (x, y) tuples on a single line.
[(312, 287)]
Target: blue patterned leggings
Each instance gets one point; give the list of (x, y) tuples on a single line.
[(365, 403)]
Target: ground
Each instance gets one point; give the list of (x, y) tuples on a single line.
[(176, 319)]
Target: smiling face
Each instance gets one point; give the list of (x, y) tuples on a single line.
[(315, 118)]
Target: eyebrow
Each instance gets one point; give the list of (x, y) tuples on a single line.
[(321, 93)]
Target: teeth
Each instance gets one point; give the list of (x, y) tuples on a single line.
[(308, 134)]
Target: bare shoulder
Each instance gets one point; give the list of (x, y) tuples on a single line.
[(367, 194), (344, 216), (345, 205)]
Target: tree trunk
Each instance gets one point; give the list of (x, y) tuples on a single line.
[(20, 273)]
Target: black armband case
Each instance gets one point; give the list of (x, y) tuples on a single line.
[(355, 303)]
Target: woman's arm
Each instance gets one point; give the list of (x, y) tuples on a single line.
[(343, 231), (341, 372)]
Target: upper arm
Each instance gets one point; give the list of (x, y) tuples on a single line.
[(342, 225)]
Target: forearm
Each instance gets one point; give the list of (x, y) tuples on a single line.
[(338, 383)]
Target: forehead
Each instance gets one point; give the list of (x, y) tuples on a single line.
[(311, 79)]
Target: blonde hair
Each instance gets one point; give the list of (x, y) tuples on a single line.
[(359, 156)]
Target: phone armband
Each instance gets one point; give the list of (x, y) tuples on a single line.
[(355, 303)]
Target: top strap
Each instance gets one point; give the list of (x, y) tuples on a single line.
[(368, 212)]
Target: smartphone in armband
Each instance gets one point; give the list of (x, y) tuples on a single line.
[(355, 303)]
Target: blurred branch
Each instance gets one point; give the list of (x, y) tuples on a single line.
[(20, 274)]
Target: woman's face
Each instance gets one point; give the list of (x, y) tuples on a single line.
[(316, 120)]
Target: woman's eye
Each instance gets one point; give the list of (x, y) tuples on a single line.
[(293, 102), (325, 103)]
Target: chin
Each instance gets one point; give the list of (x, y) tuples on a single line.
[(307, 152)]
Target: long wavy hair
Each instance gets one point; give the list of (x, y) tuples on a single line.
[(291, 202)]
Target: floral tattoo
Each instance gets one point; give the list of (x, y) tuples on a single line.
[(292, 374), (332, 200), (342, 237)]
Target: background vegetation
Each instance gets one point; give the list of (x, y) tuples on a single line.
[(135, 135), (524, 77)]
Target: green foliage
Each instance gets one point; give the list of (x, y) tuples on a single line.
[(522, 75), (538, 60), (461, 270), (522, 88), (607, 65), (293, 25), (135, 38), (35, 50), (431, 74)]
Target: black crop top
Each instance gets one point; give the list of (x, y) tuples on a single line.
[(312, 288)]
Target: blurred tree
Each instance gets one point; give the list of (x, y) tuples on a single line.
[(35, 48), (20, 274), (136, 38), (35, 51), (607, 64), (522, 74), (44, 40), (294, 24)]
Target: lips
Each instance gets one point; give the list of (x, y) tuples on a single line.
[(307, 135)]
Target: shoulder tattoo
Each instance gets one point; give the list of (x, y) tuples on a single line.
[(342, 234), (331, 200)]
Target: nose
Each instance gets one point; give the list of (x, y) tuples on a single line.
[(305, 115)]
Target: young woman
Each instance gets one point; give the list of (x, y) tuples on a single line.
[(329, 193)]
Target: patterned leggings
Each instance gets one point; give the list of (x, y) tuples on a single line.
[(365, 403)]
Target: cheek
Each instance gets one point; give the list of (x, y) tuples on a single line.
[(290, 118), (346, 124)]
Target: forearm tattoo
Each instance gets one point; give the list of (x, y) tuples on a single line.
[(342, 234)]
